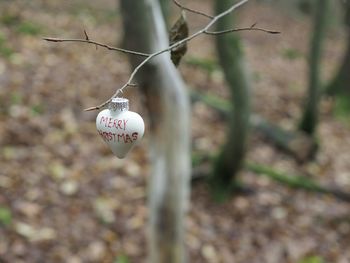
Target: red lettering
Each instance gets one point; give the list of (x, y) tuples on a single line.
[(103, 119), (120, 122), (110, 123), (107, 136), (125, 121), (134, 136), (127, 138), (118, 137)]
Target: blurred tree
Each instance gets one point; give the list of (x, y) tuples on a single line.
[(169, 114), (341, 82), (306, 6), (309, 119), (296, 143), (165, 9), (231, 57)]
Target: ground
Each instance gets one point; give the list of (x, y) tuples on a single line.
[(65, 198)]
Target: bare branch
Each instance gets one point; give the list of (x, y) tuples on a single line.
[(179, 43), (94, 108), (241, 29), (192, 10), (148, 57), (52, 39)]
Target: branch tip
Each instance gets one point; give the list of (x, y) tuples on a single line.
[(86, 35), (51, 39), (91, 109), (274, 32)]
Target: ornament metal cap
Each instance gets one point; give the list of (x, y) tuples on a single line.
[(119, 104)]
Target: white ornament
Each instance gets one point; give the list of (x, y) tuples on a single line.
[(120, 128)]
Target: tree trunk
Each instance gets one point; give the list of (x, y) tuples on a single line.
[(296, 143), (306, 6), (230, 160), (309, 120), (341, 83), (165, 6), (169, 114)]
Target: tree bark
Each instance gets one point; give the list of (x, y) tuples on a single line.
[(169, 114), (165, 6), (341, 82), (309, 119), (306, 6), (230, 160)]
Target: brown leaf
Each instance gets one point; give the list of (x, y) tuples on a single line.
[(178, 32)]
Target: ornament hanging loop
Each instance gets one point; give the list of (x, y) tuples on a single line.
[(119, 104)]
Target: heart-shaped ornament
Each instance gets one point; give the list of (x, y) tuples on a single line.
[(120, 128)]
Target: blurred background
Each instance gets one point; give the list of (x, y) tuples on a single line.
[(65, 198)]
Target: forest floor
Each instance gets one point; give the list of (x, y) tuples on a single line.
[(65, 198)]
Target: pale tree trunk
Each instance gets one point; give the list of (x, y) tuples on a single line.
[(169, 112), (165, 5)]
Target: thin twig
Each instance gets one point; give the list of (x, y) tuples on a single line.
[(192, 10), (52, 39), (86, 35), (179, 43), (241, 29)]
